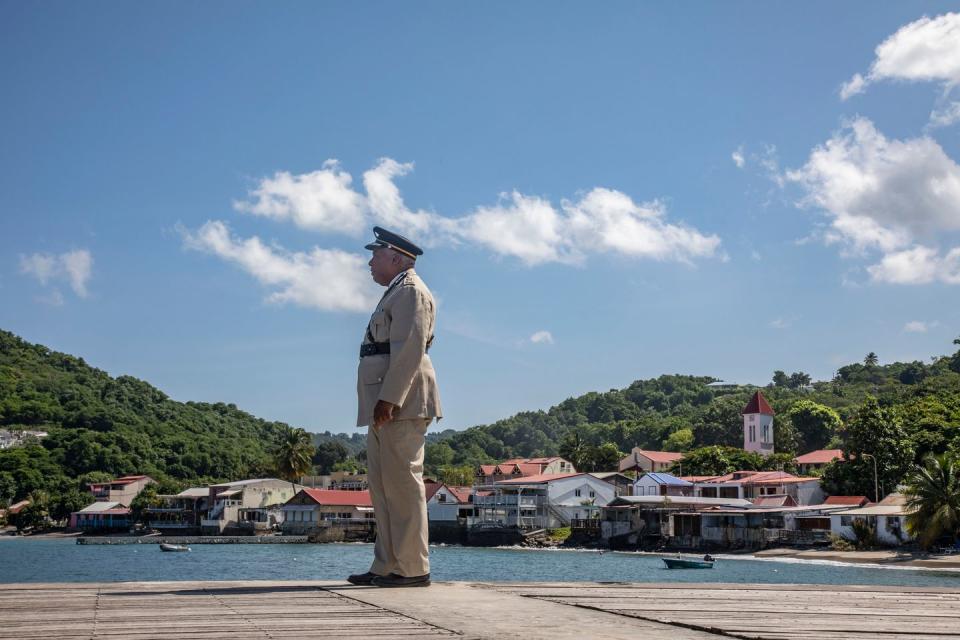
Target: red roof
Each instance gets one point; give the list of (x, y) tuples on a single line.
[(540, 478), (488, 469), (540, 461), (340, 497), (660, 456), (462, 494), (431, 489), (758, 404), (820, 456), (858, 501), (760, 477)]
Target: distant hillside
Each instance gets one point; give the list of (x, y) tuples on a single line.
[(112, 426)]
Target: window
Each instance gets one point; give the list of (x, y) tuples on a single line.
[(577, 493), (593, 494), (846, 521), (441, 497)]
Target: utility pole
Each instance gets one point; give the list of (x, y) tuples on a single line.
[(876, 495)]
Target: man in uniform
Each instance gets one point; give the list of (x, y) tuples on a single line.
[(398, 398)]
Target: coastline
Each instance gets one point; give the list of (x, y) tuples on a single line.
[(886, 557)]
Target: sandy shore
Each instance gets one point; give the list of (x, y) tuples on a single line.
[(885, 557)]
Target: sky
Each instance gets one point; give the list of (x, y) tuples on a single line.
[(604, 192)]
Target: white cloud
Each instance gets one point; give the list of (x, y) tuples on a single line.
[(918, 265), (918, 326), (927, 49), (529, 228), (737, 157), (944, 117), (325, 279), (78, 266), (542, 337), (780, 323), (74, 267), (320, 200), (892, 196)]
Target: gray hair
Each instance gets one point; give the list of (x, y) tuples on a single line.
[(404, 260)]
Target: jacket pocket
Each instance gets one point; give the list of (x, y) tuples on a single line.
[(373, 369), (380, 326)]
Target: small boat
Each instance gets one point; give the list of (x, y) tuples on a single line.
[(173, 547), (684, 563)]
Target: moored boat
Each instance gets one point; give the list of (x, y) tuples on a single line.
[(173, 547), (684, 563)]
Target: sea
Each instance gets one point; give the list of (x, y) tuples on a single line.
[(62, 560)]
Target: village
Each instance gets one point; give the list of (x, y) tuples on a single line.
[(545, 501)]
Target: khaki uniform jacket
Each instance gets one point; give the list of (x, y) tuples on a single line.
[(405, 377)]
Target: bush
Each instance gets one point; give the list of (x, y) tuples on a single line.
[(839, 543)]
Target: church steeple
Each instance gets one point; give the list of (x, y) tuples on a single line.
[(758, 425)]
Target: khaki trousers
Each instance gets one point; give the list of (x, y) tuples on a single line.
[(395, 476)]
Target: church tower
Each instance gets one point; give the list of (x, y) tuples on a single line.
[(758, 425)]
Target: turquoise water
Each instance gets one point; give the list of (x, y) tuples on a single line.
[(25, 560)]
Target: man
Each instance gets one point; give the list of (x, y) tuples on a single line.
[(398, 398)]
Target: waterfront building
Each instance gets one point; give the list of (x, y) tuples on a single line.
[(180, 513), (758, 425), (639, 520), (662, 484), (311, 509), (643, 461), (488, 474), (231, 503), (816, 460), (887, 517), (102, 516), (543, 501), (447, 503)]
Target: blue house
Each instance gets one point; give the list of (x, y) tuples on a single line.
[(662, 484)]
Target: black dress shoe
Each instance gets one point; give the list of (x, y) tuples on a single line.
[(394, 580), (364, 579)]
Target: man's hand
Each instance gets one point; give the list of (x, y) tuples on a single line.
[(383, 413)]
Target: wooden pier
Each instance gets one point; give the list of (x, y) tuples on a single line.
[(559, 611)]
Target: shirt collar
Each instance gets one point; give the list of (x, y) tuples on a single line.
[(398, 277)]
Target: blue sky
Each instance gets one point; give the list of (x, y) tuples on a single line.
[(605, 192)]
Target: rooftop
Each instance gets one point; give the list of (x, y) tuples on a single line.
[(820, 456), (339, 497)]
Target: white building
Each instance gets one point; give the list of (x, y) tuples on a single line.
[(448, 503), (758, 425), (311, 507), (888, 517), (543, 501), (232, 502)]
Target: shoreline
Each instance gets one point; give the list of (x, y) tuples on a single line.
[(883, 558)]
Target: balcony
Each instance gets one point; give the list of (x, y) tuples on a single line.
[(508, 500)]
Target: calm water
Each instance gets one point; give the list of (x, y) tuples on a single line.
[(25, 560)]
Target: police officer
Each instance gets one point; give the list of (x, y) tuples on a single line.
[(398, 398)]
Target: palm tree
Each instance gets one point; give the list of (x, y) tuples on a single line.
[(293, 457), (933, 498), (871, 360), (576, 451)]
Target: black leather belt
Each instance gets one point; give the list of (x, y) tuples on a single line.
[(382, 348), (374, 348)]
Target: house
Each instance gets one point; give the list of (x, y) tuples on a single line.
[(818, 459), (623, 484), (543, 501), (488, 474), (661, 484), (180, 513), (347, 480), (312, 508), (758, 425), (448, 503), (888, 518), (748, 485), (122, 490), (9, 439), (102, 516), (231, 503), (757, 525), (634, 520), (641, 460)]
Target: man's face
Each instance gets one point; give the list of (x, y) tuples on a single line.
[(383, 266)]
